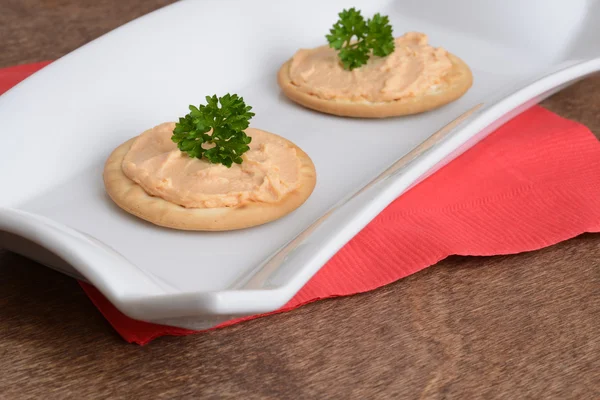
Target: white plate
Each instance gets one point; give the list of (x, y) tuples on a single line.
[(58, 127)]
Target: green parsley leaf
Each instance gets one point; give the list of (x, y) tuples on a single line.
[(354, 56), (380, 38), (215, 133), (355, 39), (351, 23)]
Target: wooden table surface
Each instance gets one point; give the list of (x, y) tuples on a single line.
[(522, 326)]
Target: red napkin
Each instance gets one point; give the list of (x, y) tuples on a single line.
[(532, 183)]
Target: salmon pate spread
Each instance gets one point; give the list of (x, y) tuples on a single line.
[(269, 171), (411, 70)]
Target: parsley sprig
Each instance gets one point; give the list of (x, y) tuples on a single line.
[(375, 35), (227, 122)]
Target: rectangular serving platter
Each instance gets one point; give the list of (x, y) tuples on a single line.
[(58, 127)]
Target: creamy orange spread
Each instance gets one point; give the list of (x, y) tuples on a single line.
[(412, 69), (269, 171)]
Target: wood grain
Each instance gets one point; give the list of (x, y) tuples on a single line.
[(523, 326)]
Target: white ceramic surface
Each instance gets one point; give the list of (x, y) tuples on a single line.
[(58, 127)]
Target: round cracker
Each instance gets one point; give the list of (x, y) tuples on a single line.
[(132, 198), (454, 84)]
